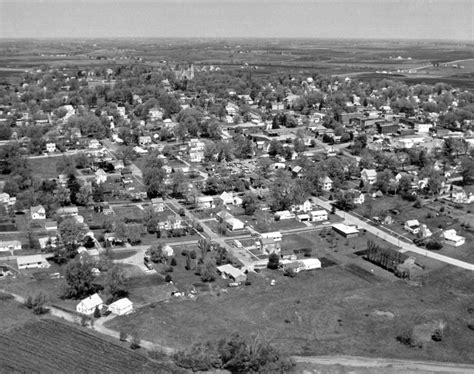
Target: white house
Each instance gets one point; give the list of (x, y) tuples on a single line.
[(229, 198), (50, 147), (451, 238), (100, 176), (48, 241), (275, 235), (158, 204), (10, 245), (368, 176), (121, 307), (304, 207), (87, 306), (144, 140), (156, 114), (94, 144), (413, 226), (326, 184), (359, 198), (38, 212), (196, 155), (205, 202), (284, 214), (4, 198), (318, 215), (230, 221), (32, 262)]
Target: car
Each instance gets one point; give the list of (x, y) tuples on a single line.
[(272, 282), (234, 284), (149, 265)]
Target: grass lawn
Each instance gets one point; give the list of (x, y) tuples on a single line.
[(45, 167), (130, 212), (14, 314), (329, 311)]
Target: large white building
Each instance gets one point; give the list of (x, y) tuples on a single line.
[(87, 306)]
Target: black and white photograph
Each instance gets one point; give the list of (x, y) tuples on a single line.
[(237, 186)]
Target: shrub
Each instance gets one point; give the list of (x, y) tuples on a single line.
[(184, 252), (96, 312), (5, 296), (168, 278), (247, 283), (417, 204), (434, 245), (123, 336), (273, 261), (290, 272), (173, 262), (136, 341), (37, 303)]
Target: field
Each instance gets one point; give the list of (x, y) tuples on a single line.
[(50, 346), (329, 311), (44, 166)]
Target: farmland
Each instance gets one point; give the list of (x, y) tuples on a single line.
[(329, 311), (50, 346)]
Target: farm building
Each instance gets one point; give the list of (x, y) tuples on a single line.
[(32, 262), (88, 305), (10, 245), (451, 238), (345, 230), (304, 264), (227, 271), (121, 307)]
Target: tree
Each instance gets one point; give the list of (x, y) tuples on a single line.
[(273, 261), (209, 269), (37, 303), (115, 282), (79, 278), (96, 312), (71, 233), (250, 203), (467, 170)]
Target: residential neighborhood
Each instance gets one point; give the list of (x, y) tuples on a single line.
[(135, 193)]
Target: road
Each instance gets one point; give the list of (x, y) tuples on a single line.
[(393, 365), (404, 247)]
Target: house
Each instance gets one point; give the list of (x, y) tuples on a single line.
[(345, 230), (4, 198), (304, 207), (451, 238), (158, 204), (48, 241), (144, 140), (94, 144), (230, 221), (284, 214), (32, 262), (38, 212), (359, 198), (425, 232), (89, 304), (318, 215), (413, 226), (121, 307), (459, 195), (326, 184), (229, 198), (68, 211), (100, 176), (269, 245), (368, 176), (196, 155), (50, 147), (167, 251), (155, 114), (10, 245), (50, 225), (205, 202), (276, 235), (227, 271)]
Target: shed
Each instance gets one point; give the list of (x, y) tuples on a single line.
[(121, 307)]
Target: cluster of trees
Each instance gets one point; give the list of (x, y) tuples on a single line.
[(387, 258), (236, 355)]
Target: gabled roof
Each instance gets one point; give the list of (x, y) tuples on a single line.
[(37, 209), (91, 301)]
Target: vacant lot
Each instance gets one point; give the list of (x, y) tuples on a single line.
[(49, 346), (45, 166), (322, 312)]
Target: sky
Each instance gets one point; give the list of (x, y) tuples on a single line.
[(370, 19)]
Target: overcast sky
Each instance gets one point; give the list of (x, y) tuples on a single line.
[(395, 19)]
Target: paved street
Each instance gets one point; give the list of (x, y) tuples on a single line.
[(405, 247)]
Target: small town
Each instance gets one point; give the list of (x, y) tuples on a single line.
[(181, 213)]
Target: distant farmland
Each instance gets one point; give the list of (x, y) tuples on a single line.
[(49, 346)]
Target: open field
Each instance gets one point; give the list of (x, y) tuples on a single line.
[(13, 314), (50, 346), (329, 311)]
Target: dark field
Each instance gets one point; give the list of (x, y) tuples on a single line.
[(49, 346)]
